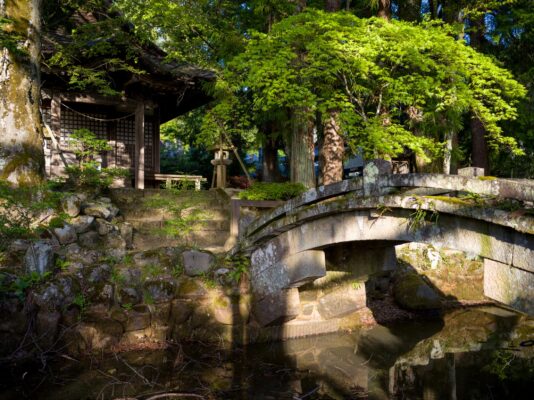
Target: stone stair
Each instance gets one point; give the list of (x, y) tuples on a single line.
[(143, 209)]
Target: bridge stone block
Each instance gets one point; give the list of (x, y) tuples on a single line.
[(471, 171), (304, 267), (477, 237), (509, 285), (291, 271), (523, 254), (276, 308), (371, 173)]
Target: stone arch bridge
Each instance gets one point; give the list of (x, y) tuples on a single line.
[(485, 216)]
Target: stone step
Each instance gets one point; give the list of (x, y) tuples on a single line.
[(155, 213), (147, 225), (215, 239)]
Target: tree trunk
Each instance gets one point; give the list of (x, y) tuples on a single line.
[(447, 153), (270, 171), (332, 5), (479, 147), (333, 150), (384, 9), (21, 152), (409, 10), (302, 151), (301, 5), (433, 9)]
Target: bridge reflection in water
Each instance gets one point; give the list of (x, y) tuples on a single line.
[(482, 353)]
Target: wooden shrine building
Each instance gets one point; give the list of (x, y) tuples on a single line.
[(130, 122)]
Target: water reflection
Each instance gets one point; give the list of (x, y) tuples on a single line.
[(484, 353)]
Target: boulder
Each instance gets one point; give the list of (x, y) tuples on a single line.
[(99, 274), (181, 310), (126, 231), (68, 287), (116, 253), (71, 205), (90, 240), (82, 223), (104, 294), (99, 210), (96, 335), (115, 241), (160, 313), (47, 327), (197, 262), (75, 254), (18, 246), (49, 297), (277, 308), (143, 259), (412, 292), (138, 318), (13, 318), (160, 291), (103, 227), (342, 301), (66, 234), (39, 257), (128, 295), (191, 289)]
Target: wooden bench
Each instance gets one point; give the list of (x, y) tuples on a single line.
[(169, 179)]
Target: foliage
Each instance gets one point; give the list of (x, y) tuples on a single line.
[(505, 365), (20, 209), (63, 265), (81, 302), (9, 38), (421, 215), (239, 266), (95, 51), (397, 85), (91, 177), (272, 191), (88, 174), (86, 146), (20, 285)]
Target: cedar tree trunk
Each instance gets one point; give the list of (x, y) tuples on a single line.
[(332, 5), (409, 10), (479, 146), (302, 151), (332, 151), (384, 9), (21, 153)]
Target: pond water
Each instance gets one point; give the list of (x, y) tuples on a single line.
[(480, 353)]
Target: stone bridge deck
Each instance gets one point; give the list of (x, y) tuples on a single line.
[(493, 219)]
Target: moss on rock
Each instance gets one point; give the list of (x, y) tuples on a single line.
[(412, 292)]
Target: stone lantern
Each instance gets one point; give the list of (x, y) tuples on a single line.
[(220, 161)]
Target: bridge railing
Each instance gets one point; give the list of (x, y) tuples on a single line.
[(374, 183)]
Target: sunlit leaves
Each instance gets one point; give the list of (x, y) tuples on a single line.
[(397, 85)]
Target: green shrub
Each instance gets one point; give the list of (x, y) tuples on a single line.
[(20, 208), (88, 174), (272, 191)]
